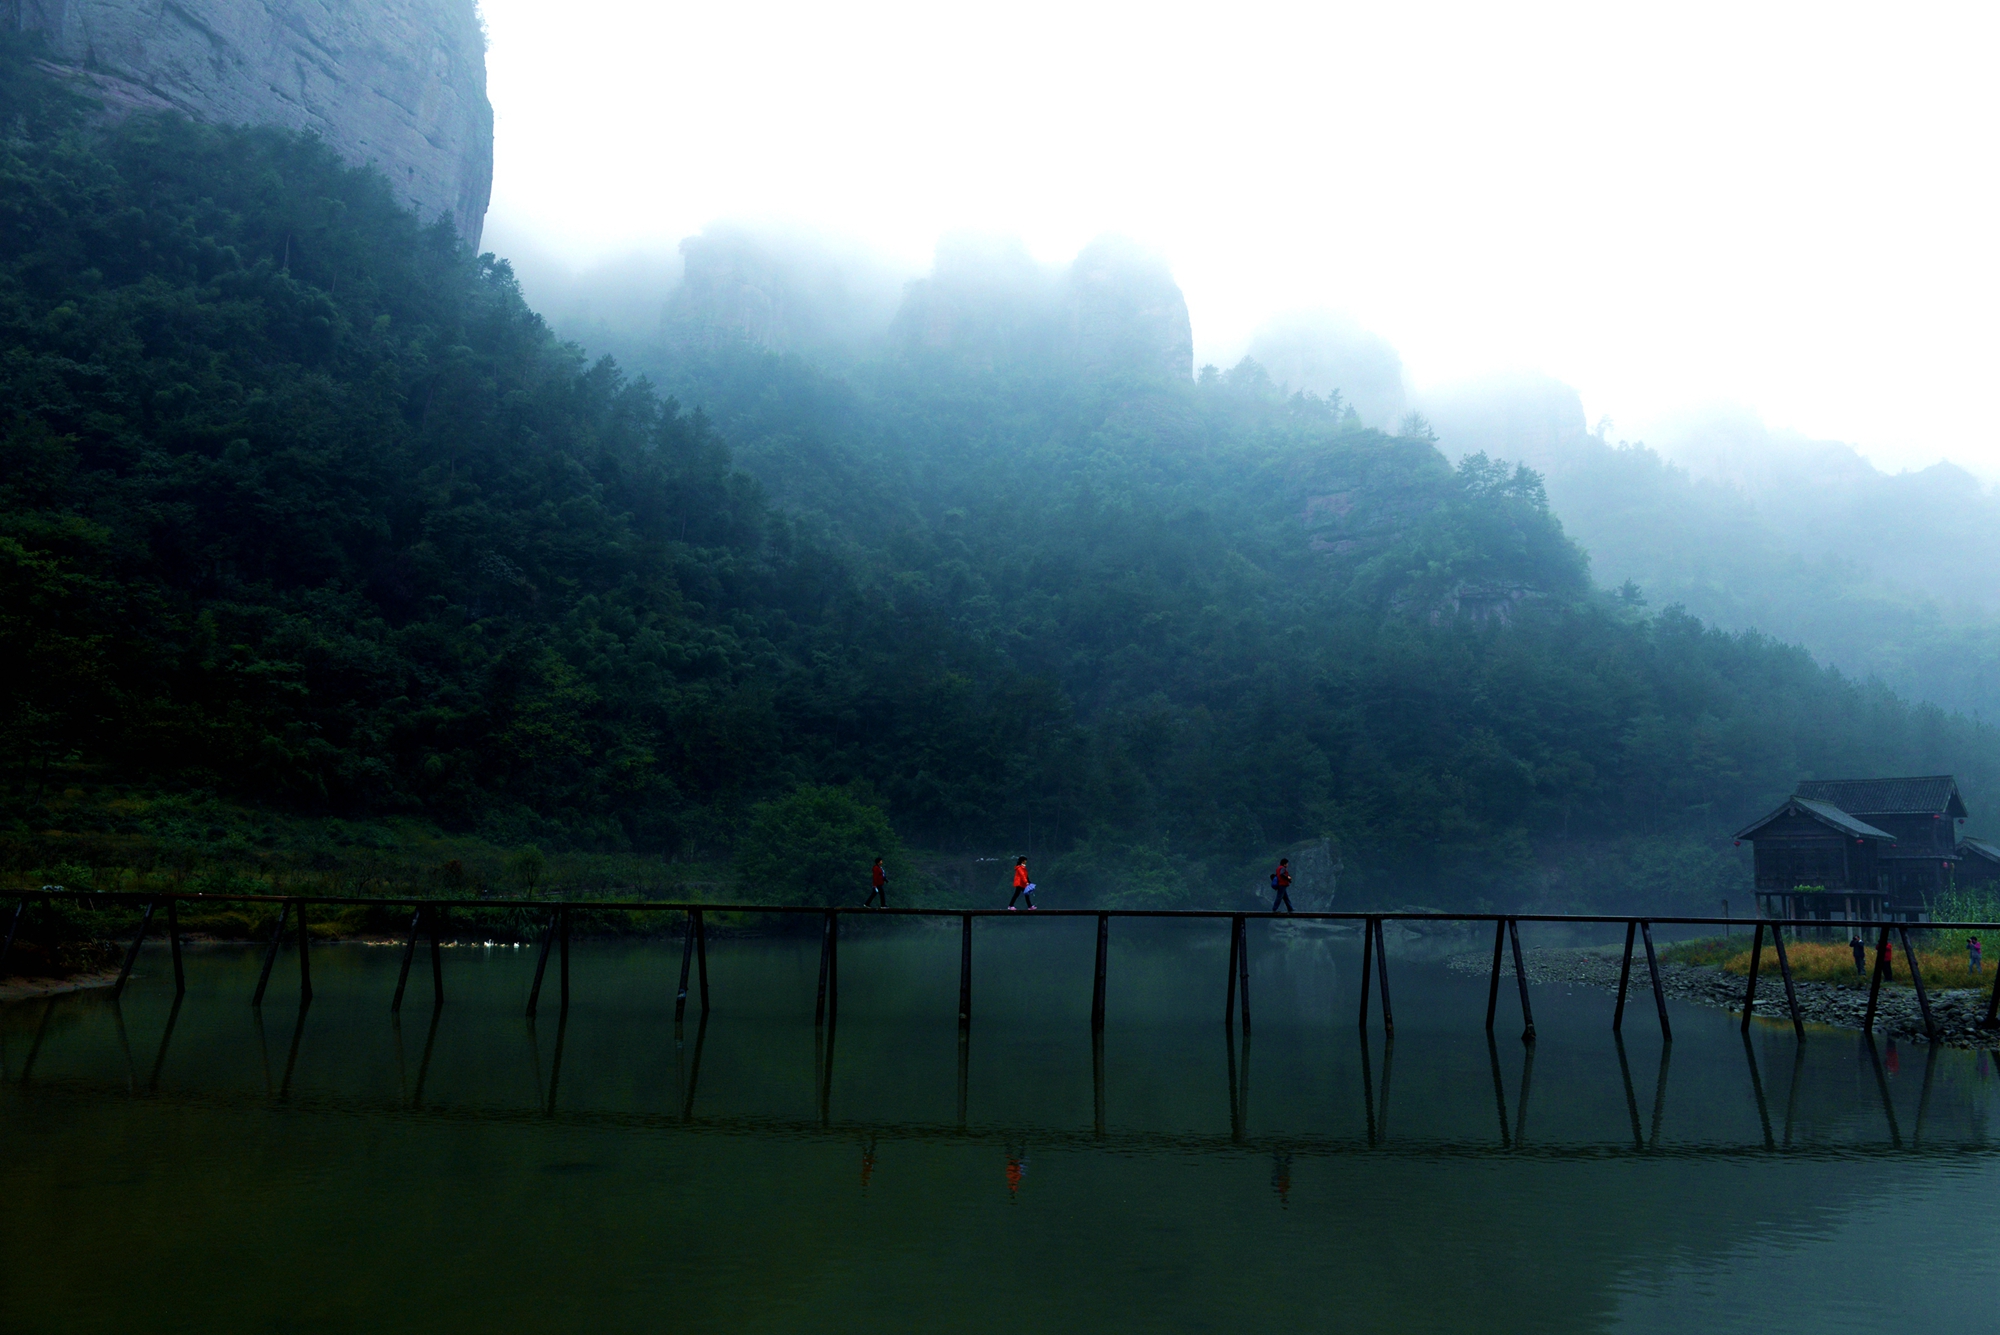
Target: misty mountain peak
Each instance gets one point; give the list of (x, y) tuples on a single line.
[(1115, 310)]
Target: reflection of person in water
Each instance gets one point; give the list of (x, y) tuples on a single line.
[(867, 1162), (1281, 1177), (1017, 1169)]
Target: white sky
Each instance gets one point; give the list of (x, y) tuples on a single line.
[(1787, 207)]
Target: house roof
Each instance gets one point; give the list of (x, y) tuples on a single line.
[(1979, 848), (1933, 795), (1825, 813)]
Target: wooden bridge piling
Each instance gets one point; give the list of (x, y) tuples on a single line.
[(305, 958), (1382, 981), (541, 963), (271, 953), (1493, 987), (964, 975), (13, 926), (1750, 989), (1367, 967), (174, 940), (410, 955), (1229, 974), (1097, 977), (1875, 979), (132, 955), (1624, 982), (687, 962), (1917, 980), (1791, 993), (1521, 980), (437, 960), (1653, 968)]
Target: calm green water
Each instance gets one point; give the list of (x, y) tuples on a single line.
[(470, 1171)]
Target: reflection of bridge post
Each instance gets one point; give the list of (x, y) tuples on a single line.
[(166, 1037), (299, 1033), (1527, 1082), (1882, 1081), (694, 1068), (1660, 1091), (1625, 1072), (1792, 1094), (964, 1067), (1235, 1088), (1096, 1082), (424, 1062), (1924, 1098), (1493, 1055), (555, 1061), (1757, 1088)]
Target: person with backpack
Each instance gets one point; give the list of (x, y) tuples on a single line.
[(1281, 885), (1022, 885), (878, 881)]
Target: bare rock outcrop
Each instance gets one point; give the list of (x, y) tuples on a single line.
[(399, 84)]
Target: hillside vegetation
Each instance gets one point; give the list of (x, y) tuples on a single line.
[(302, 506)]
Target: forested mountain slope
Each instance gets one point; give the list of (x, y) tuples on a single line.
[(302, 502), (1881, 574)]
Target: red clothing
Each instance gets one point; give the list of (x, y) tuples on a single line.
[(1020, 876), (1282, 877), (881, 878)]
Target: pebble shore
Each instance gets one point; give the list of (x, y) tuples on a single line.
[(1957, 1011)]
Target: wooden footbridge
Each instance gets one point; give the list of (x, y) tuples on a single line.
[(428, 918)]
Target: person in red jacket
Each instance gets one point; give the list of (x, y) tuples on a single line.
[(1022, 885), (878, 880), (1281, 885)]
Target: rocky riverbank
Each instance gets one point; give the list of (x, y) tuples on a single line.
[(1956, 1010)]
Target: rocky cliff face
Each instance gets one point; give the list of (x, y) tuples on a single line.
[(400, 84)]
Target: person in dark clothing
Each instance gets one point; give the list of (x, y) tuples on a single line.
[(878, 881), (1860, 949), (1281, 885)]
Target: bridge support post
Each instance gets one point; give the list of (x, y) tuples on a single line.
[(437, 963), (1791, 993), (562, 976), (1756, 958), (174, 940), (305, 959), (541, 963), (1624, 981), (1917, 980), (826, 948), (271, 954), (132, 955), (1521, 979), (20, 908), (1235, 947), (1367, 968), (1097, 985), (1382, 977), (1659, 993), (1875, 979), (701, 962), (964, 975), (687, 962), (409, 957), (1243, 968), (1992, 1020), (1493, 987)]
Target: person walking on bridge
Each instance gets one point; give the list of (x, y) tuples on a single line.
[(1860, 949), (878, 881), (1022, 885), (1281, 886)]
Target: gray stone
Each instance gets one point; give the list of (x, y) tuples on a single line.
[(399, 84)]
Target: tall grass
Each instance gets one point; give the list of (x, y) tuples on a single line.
[(1944, 965)]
